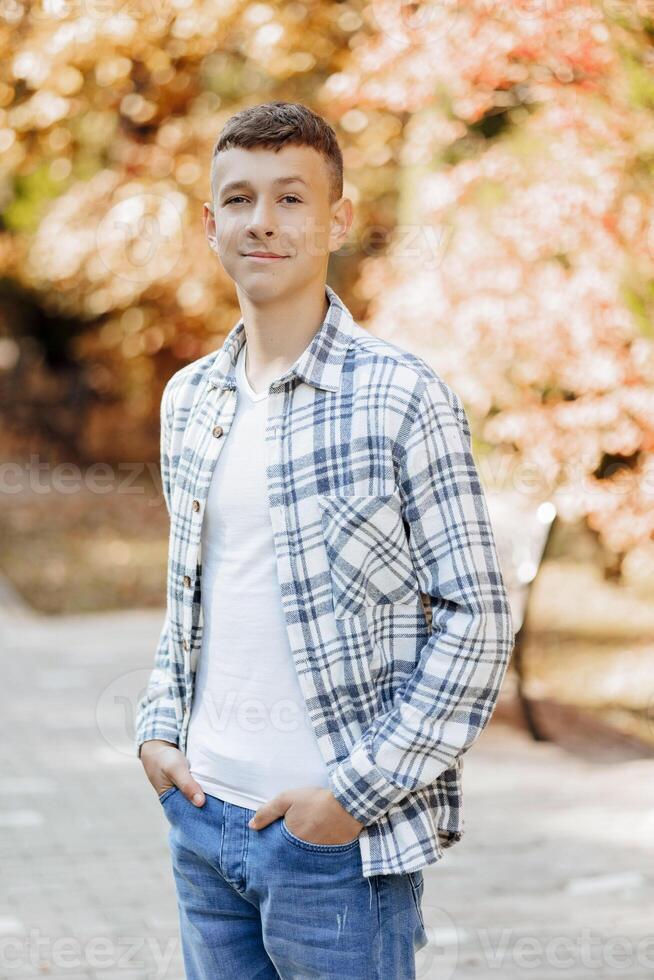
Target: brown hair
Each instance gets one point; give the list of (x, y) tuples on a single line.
[(272, 125)]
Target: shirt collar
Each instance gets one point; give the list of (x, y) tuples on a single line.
[(319, 364)]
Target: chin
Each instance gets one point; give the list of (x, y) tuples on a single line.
[(261, 288)]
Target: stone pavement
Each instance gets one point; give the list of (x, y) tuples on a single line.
[(553, 879)]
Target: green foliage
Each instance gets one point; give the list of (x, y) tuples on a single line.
[(31, 194), (640, 80), (640, 302)]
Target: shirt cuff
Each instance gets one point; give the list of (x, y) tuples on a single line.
[(163, 732), (362, 789)]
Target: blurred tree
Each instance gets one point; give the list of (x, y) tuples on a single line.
[(522, 261), (108, 116), (500, 158)]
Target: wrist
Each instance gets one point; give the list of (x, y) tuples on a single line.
[(154, 745), (338, 808)]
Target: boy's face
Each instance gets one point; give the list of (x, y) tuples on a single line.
[(267, 212)]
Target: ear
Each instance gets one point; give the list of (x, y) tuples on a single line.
[(342, 215), (209, 220)]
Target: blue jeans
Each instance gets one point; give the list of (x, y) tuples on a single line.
[(265, 904)]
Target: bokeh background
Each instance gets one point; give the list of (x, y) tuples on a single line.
[(500, 156)]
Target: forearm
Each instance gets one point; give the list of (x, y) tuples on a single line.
[(155, 713), (436, 717)]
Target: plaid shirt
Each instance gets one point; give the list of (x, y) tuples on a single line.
[(396, 611)]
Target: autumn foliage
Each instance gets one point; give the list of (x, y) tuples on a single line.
[(499, 154)]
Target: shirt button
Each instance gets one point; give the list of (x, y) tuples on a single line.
[(187, 580), (185, 644), (217, 431), (196, 505)]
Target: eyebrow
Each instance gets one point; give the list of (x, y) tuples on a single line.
[(237, 184)]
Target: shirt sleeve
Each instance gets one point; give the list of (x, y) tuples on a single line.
[(442, 708), (155, 712)]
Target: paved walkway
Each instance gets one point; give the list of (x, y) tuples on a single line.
[(554, 878)]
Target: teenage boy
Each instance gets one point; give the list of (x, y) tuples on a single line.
[(305, 721)]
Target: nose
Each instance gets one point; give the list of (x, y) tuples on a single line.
[(261, 223)]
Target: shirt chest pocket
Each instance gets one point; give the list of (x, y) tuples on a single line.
[(367, 551)]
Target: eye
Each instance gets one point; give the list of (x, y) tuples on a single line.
[(240, 197)]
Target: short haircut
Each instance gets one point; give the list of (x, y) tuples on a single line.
[(272, 125)]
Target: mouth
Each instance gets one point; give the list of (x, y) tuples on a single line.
[(263, 256)]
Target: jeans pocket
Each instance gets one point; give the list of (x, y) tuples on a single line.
[(308, 845), (168, 792), (417, 887)]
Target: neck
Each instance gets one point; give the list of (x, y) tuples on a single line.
[(278, 331)]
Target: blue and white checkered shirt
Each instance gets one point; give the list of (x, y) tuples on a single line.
[(378, 517)]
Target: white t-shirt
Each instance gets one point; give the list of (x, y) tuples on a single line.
[(249, 733)]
